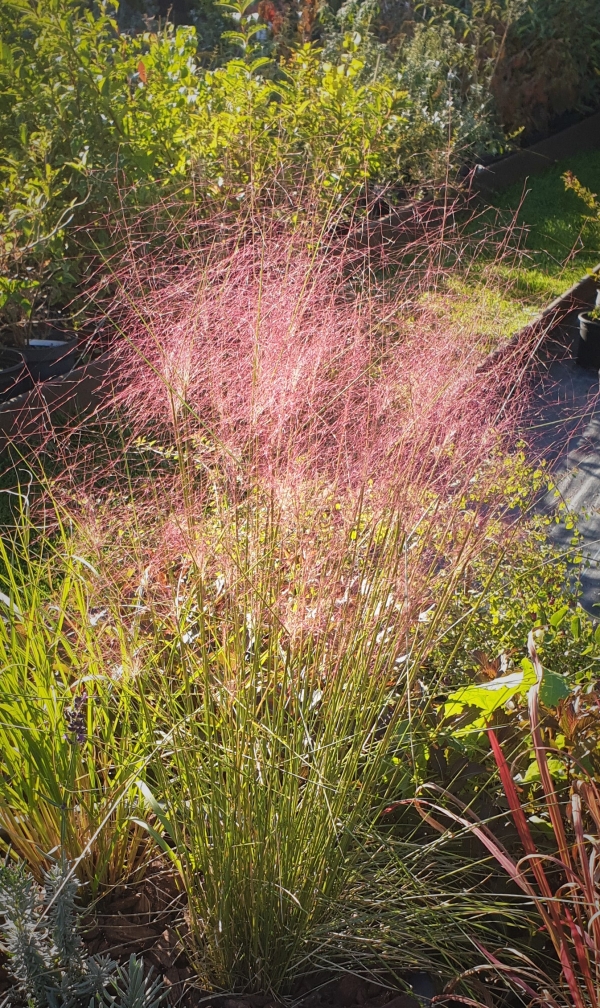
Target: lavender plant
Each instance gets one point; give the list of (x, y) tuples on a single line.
[(47, 957)]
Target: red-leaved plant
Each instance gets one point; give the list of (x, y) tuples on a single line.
[(564, 887)]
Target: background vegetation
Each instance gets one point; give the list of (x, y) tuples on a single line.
[(100, 111), (288, 585)]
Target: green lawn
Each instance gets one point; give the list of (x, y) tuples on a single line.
[(552, 242)]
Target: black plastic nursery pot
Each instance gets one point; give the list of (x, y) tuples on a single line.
[(14, 377), (49, 358), (588, 350), (49, 351)]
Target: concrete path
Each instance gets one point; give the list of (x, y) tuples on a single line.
[(566, 425)]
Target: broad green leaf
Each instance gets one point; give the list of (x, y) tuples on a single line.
[(6, 55), (489, 696), (558, 616), (556, 769), (553, 688), (258, 63), (160, 842)]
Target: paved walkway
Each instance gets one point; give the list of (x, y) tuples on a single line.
[(567, 422)]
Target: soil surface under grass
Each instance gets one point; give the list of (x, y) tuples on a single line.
[(147, 917)]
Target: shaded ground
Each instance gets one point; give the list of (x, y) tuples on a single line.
[(566, 426)]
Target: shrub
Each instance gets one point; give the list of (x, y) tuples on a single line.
[(441, 68), (92, 119), (550, 64), (86, 113), (76, 122), (538, 60), (535, 585)]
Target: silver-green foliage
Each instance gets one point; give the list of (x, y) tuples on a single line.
[(47, 957)]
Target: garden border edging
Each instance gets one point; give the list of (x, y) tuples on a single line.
[(558, 315), (500, 174)]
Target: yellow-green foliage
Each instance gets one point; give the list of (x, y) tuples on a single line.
[(90, 118)]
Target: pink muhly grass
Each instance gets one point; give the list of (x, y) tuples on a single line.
[(293, 467), (266, 350), (296, 403)]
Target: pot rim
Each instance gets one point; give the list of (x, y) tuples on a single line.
[(12, 352), (50, 342)]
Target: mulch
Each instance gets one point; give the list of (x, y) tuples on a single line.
[(149, 918)]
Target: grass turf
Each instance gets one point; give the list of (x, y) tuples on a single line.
[(555, 241)]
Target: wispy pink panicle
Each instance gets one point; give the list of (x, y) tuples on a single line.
[(307, 382), (270, 352)]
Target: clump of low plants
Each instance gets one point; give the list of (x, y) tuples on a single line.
[(46, 955)]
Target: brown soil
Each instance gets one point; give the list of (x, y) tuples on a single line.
[(149, 918)]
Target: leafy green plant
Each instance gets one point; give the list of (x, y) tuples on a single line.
[(75, 125), (71, 738), (247, 27), (590, 200), (585, 194), (537, 59), (93, 121), (46, 956), (535, 585), (563, 883)]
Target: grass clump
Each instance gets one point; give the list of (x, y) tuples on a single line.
[(262, 725), (234, 603), (72, 745)]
